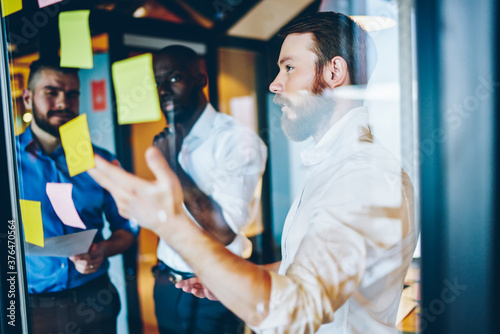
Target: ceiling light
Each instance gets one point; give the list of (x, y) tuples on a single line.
[(139, 12)]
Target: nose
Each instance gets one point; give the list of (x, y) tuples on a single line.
[(277, 85), (163, 88), (62, 101)]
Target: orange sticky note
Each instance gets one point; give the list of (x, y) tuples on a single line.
[(11, 6), (31, 213), (75, 139)]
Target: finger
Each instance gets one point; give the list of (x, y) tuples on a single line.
[(159, 166), (192, 280), (198, 293), (197, 286), (93, 247), (78, 257), (111, 177), (209, 294), (103, 172)]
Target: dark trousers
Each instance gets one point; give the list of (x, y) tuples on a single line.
[(90, 308), (179, 312)]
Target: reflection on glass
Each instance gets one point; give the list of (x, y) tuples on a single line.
[(373, 120)]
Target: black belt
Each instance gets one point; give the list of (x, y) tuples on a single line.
[(174, 276), (68, 296)]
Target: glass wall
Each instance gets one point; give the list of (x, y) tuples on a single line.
[(56, 209)]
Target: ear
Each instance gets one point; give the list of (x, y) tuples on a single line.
[(201, 80), (28, 99), (336, 73)]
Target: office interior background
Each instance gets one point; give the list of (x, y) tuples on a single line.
[(433, 99)]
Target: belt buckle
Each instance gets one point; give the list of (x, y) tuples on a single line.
[(174, 278)]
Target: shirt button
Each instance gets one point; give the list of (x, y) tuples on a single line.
[(63, 265)]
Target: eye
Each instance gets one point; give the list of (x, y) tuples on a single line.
[(51, 92), (73, 95), (288, 68), (174, 78)]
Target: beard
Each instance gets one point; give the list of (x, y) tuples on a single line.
[(311, 113), (183, 108), (43, 121)]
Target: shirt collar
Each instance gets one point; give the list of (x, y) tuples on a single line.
[(347, 129), (201, 129), (28, 143)]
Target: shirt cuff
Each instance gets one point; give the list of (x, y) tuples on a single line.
[(283, 296)]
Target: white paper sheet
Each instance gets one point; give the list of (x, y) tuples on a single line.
[(64, 245)]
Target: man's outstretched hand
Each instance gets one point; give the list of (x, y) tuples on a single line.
[(155, 205)]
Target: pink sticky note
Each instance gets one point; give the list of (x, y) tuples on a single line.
[(62, 202), (45, 3)]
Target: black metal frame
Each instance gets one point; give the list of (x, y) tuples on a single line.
[(13, 287)]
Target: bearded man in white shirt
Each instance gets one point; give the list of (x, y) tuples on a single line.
[(349, 236)]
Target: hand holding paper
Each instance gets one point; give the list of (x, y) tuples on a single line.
[(87, 263)]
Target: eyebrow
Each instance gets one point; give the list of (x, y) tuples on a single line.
[(51, 87), (73, 91), (284, 59), (165, 74)]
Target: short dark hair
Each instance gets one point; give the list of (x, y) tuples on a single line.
[(188, 55), (47, 63), (334, 34)]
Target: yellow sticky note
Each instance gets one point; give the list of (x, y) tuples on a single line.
[(75, 139), (135, 89), (76, 45), (31, 213), (11, 6)]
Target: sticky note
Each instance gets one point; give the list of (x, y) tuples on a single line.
[(11, 6), (135, 90), (76, 45), (60, 197), (31, 213), (45, 3), (75, 139)]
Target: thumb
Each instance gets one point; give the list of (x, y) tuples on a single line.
[(93, 247), (158, 165)]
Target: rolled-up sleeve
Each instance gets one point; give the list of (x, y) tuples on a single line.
[(326, 271)]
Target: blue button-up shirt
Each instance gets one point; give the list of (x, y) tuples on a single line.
[(92, 202)]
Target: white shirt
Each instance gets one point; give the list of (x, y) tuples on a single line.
[(347, 241), (226, 161)]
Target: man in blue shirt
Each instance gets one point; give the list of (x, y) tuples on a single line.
[(67, 294)]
